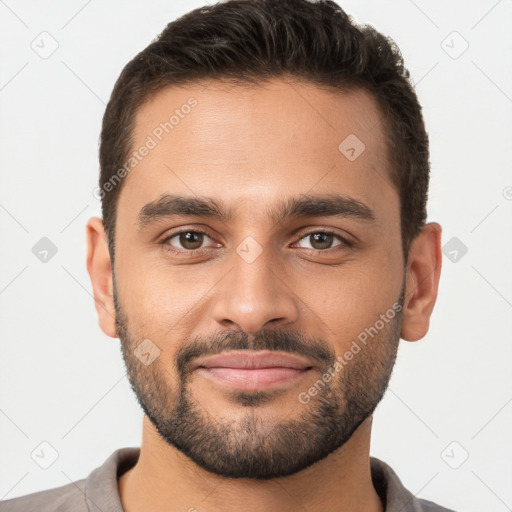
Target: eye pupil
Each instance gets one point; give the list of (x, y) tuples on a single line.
[(325, 240), (191, 240)]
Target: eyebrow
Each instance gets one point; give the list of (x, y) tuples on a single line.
[(326, 205)]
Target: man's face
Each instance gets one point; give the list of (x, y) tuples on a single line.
[(197, 285)]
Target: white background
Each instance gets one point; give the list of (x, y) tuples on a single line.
[(63, 381)]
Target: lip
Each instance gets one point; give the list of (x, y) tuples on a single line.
[(250, 370), (253, 360)]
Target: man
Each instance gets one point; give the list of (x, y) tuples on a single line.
[(263, 248)]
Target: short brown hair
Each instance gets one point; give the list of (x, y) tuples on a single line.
[(257, 40)]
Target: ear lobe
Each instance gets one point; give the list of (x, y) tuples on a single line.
[(100, 272), (422, 282)]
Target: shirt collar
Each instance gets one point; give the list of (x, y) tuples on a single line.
[(102, 493)]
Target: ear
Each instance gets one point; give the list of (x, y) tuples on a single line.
[(100, 272), (423, 273)]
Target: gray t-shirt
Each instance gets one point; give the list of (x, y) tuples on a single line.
[(99, 492)]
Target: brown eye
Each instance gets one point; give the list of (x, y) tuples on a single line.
[(323, 240), (188, 240)]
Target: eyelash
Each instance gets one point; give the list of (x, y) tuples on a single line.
[(344, 241)]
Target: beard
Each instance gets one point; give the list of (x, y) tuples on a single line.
[(256, 446)]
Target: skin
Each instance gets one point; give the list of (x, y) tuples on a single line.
[(250, 148)]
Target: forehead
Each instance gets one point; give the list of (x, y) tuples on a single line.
[(253, 143)]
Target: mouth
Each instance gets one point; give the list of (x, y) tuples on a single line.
[(251, 370)]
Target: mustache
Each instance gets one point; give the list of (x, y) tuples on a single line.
[(293, 342)]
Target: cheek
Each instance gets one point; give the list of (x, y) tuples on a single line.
[(354, 297), (163, 302)]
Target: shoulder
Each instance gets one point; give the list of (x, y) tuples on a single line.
[(69, 497), (97, 491), (430, 506), (393, 493)]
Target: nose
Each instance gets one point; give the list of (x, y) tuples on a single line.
[(254, 294)]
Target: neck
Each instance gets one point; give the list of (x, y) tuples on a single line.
[(163, 477)]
